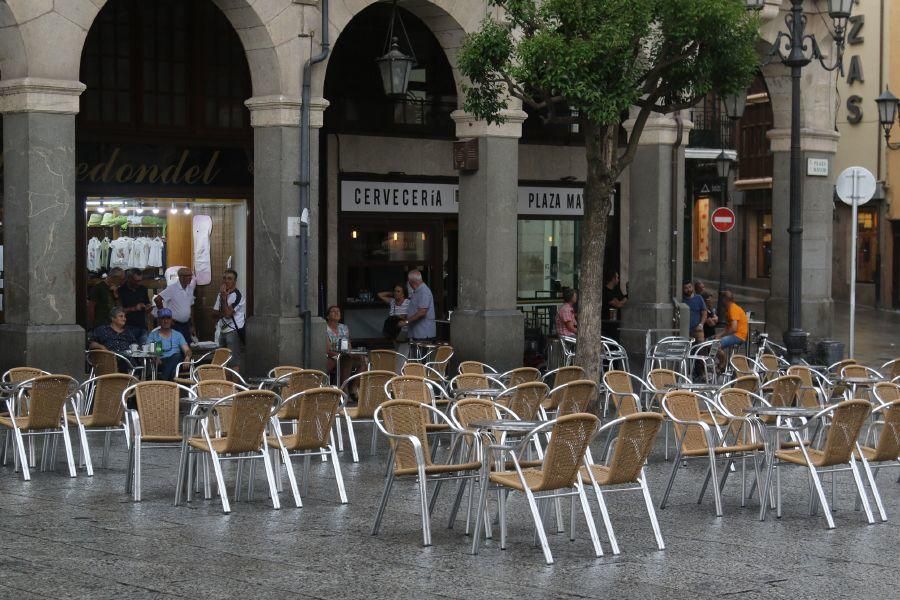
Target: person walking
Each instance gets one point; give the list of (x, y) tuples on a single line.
[(136, 303), (231, 310), (420, 313), (179, 298), (175, 348)]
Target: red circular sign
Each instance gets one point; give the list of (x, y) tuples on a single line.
[(723, 219)]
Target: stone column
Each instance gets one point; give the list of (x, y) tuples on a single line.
[(486, 325), (650, 230), (818, 226), (275, 329), (39, 226)]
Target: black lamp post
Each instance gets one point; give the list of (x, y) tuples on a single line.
[(394, 65), (723, 168), (887, 114), (796, 49)]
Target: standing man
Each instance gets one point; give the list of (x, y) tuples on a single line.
[(175, 348), (613, 298), (420, 314), (231, 310), (136, 303), (179, 299), (103, 297), (698, 310)]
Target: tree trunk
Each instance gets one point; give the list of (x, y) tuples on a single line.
[(601, 147)]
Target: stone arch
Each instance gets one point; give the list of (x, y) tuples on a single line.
[(448, 20), (52, 36)]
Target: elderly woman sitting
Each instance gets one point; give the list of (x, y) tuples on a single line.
[(114, 337)]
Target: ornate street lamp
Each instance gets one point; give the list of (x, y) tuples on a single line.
[(723, 168), (887, 114), (755, 4), (796, 49), (735, 104), (394, 65)]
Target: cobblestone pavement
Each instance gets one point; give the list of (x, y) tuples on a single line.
[(84, 538)]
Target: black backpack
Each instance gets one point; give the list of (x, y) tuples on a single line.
[(241, 331)]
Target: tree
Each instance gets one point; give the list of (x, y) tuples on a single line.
[(605, 59)]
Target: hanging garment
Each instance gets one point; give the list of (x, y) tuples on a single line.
[(93, 255), (155, 255), (104, 254), (202, 259), (120, 253)]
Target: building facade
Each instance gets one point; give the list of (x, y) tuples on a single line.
[(183, 119)]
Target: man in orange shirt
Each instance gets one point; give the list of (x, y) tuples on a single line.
[(737, 327)]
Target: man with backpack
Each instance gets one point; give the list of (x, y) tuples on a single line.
[(231, 310)]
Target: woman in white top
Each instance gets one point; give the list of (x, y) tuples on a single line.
[(397, 300)]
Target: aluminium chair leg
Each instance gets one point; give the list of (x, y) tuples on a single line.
[(457, 501), (675, 464), (589, 518), (136, 483), (607, 523), (104, 461), (571, 518), (821, 493), (182, 473), (342, 493), (352, 436), (19, 445), (220, 482), (502, 499), (539, 526), (423, 500), (306, 464), (86, 451), (374, 443), (714, 474), (860, 489), (651, 512), (870, 475), (292, 479), (270, 477), (388, 484)]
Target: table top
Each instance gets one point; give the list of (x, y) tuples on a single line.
[(505, 424), (862, 380), (694, 387), (354, 352), (141, 354), (784, 411), (270, 381), (492, 392)]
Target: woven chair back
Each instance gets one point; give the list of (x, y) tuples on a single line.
[(302, 380), (807, 396), (568, 374), (469, 410), (471, 381), (523, 375), (217, 388), (220, 356), (895, 369), (847, 420), (405, 417), (371, 393), (104, 362), (784, 390), (414, 369), (742, 365), (836, 367), (20, 374), (246, 420), (574, 397), (747, 382), (406, 387), (634, 444), (383, 360), (318, 408), (107, 409), (685, 406), (619, 382), (886, 392), (662, 379), (525, 399), (48, 398), (572, 434), (157, 405), (471, 366), (204, 372), (284, 370), (771, 364), (442, 357), (888, 446), (736, 401)]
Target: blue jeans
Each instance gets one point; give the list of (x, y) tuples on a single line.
[(731, 340), (168, 365)]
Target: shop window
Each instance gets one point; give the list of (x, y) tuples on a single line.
[(764, 246), (867, 245), (701, 230), (547, 257)]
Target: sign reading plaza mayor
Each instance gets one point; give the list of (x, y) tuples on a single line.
[(429, 197)]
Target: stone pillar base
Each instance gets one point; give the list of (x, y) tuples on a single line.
[(638, 318), (276, 341), (817, 318), (495, 337), (58, 349)]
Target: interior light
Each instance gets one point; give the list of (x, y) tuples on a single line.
[(101, 209), (550, 239), (353, 234), (123, 209), (423, 236), (139, 209), (173, 209), (155, 210), (187, 209), (396, 236)]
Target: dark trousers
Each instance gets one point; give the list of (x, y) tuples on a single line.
[(183, 328), (168, 365)]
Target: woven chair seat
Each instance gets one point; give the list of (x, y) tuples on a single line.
[(160, 439), (549, 404), (218, 444), (602, 475), (22, 422), (185, 382), (92, 421), (437, 427), (871, 455), (440, 469), (725, 449), (354, 413), (510, 479), (525, 464), (294, 443), (720, 420), (796, 457)]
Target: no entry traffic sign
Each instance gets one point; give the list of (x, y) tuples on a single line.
[(723, 219)]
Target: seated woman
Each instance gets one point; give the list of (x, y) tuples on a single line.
[(175, 348), (337, 331), (114, 337)]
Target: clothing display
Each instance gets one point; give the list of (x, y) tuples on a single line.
[(125, 253), (202, 227)]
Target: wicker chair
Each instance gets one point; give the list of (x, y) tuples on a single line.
[(214, 389), (386, 360), (558, 377), (814, 388), (441, 358), (473, 366), (635, 433), (104, 362), (312, 436), (891, 368), (419, 390), (17, 375), (217, 372), (858, 390), (405, 423), (524, 399), (773, 366), (886, 451), (105, 414), (466, 382), (292, 381), (742, 365), (154, 420), (885, 392), (46, 398), (697, 439), (520, 375), (559, 473), (840, 447), (781, 391), (370, 394), (620, 390), (414, 369), (835, 368), (219, 357), (247, 418), (570, 398)]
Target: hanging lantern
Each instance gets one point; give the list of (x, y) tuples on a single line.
[(395, 66)]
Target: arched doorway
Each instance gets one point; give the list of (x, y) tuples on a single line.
[(397, 150), (164, 148)]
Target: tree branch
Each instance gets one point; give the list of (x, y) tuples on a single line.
[(633, 140)]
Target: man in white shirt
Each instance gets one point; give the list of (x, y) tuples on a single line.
[(179, 298), (231, 310)]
